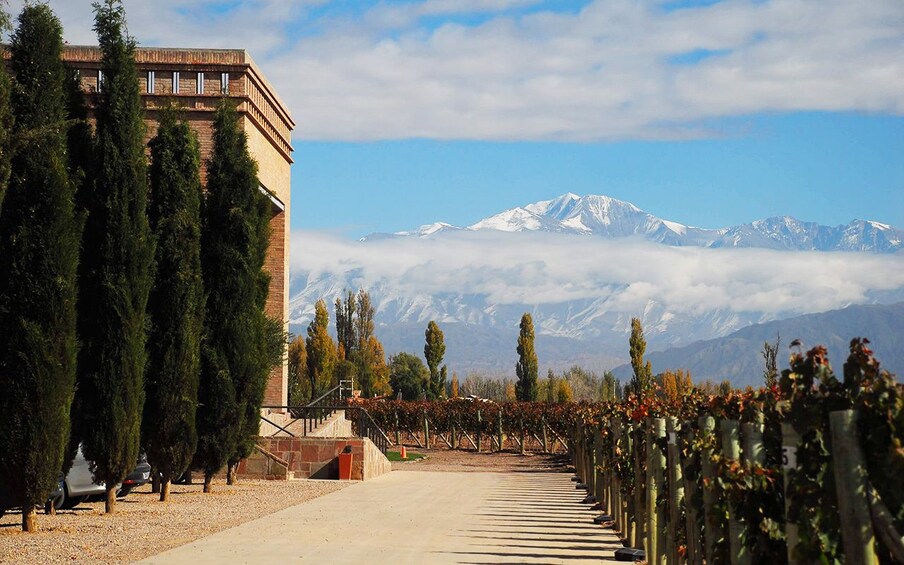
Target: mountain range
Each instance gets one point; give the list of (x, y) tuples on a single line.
[(583, 267), (602, 216)]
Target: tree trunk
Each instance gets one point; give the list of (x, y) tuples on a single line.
[(110, 503), (164, 490), (208, 478), (49, 508), (230, 473), (29, 518), (155, 481)]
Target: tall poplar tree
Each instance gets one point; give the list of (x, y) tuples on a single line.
[(176, 303), (321, 351), (527, 368), (117, 273), (364, 356), (434, 350), (237, 347), (345, 325), (642, 381), (39, 251), (299, 385)]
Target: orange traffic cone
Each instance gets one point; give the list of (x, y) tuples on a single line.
[(403, 453)]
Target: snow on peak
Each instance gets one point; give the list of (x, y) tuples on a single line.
[(516, 219), (680, 229), (879, 226)]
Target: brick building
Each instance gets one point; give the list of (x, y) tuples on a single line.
[(196, 79)]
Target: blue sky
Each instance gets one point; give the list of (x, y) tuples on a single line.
[(830, 168), (704, 112)]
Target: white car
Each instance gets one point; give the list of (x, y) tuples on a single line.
[(77, 485)]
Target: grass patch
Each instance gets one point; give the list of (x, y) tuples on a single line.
[(396, 456)]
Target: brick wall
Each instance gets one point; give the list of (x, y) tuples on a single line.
[(314, 458)]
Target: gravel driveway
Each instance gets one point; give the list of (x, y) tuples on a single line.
[(143, 526)]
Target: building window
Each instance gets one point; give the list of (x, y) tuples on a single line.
[(200, 83), (175, 82), (100, 80), (150, 82), (224, 83)]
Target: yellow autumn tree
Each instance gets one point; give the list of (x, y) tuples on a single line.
[(676, 384), (564, 392), (379, 369)]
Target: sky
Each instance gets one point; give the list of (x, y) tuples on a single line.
[(709, 113)]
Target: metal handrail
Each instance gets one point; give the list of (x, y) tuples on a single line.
[(368, 428), (363, 425)]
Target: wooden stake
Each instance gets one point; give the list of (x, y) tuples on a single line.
[(710, 533), (790, 443), (731, 448), (851, 483)]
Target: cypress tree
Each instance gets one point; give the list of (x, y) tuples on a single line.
[(80, 148), (434, 350), (240, 339), (6, 119), (176, 302), (118, 272), (527, 367), (39, 249)]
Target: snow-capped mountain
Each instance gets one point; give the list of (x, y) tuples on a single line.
[(602, 216), (583, 267)]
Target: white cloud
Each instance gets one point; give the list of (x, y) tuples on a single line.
[(544, 268), (616, 69)]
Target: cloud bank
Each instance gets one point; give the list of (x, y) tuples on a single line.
[(535, 70), (548, 268)]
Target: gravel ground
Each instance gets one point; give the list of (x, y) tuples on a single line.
[(143, 526)]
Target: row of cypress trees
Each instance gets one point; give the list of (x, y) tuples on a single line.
[(131, 306)]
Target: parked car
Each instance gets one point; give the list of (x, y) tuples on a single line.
[(77, 485), (140, 475)]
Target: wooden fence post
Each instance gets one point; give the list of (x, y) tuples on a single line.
[(627, 500), (426, 431), (452, 434), (753, 451), (599, 484), (478, 430), (692, 527), (851, 484), (731, 449), (676, 489), (590, 454), (523, 439), (710, 535), (790, 443), (398, 432), (499, 435), (655, 514), (639, 486), (545, 437)]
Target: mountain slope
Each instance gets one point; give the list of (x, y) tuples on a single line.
[(737, 356)]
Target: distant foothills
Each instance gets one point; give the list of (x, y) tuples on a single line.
[(588, 325)]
